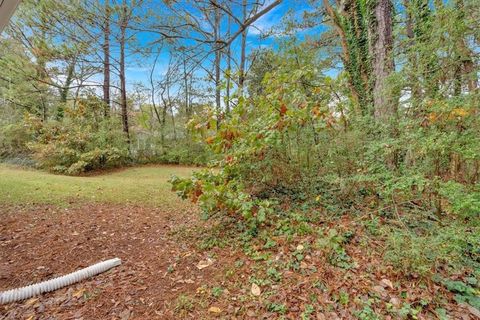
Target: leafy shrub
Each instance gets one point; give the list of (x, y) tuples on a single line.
[(216, 193), (333, 243), (186, 153), (77, 144), (464, 293), (302, 139), (149, 147), (13, 141), (463, 200), (434, 248)]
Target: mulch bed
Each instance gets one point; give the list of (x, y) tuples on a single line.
[(160, 260), (43, 242)]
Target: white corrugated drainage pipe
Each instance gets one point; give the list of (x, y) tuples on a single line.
[(57, 283)]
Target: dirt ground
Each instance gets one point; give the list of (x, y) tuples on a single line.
[(43, 242), (160, 265)]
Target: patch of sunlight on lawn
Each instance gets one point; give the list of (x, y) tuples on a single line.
[(139, 185)]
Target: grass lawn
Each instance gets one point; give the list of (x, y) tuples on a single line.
[(146, 185)]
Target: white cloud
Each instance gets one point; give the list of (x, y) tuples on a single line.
[(139, 69)]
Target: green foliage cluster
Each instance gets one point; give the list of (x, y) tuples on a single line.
[(46, 82), (217, 195), (464, 293), (290, 141), (333, 244), (188, 153), (423, 250), (393, 136), (77, 144), (301, 139), (13, 141), (149, 148)]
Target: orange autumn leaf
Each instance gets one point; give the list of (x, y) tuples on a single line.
[(459, 112), (316, 112), (209, 140)]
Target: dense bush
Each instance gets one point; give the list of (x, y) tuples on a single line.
[(292, 144), (13, 141), (434, 248), (152, 150), (84, 140), (186, 153), (77, 144), (292, 139)]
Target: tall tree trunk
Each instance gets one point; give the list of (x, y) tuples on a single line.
[(351, 21), (185, 83), (164, 116), (106, 61), (41, 68), (229, 68), (173, 123), (65, 89), (123, 89), (241, 76), (384, 107), (172, 112), (428, 61), (466, 55), (412, 57), (218, 57), (152, 85), (68, 82)]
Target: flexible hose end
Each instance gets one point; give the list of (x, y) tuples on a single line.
[(57, 283)]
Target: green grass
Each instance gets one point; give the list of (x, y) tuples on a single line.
[(140, 185)]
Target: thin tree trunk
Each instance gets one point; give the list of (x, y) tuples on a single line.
[(218, 57), (65, 89), (173, 124), (164, 117), (171, 111), (185, 83), (466, 55), (42, 67), (152, 84), (106, 61), (123, 89), (415, 90), (241, 77), (229, 68), (44, 109)]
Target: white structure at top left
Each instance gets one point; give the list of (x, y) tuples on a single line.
[(7, 8)]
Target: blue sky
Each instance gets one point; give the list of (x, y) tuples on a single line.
[(138, 67), (138, 71)]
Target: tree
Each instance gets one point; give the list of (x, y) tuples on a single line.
[(352, 21), (106, 59), (383, 65), (124, 18), (365, 31), (218, 59), (241, 72)]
